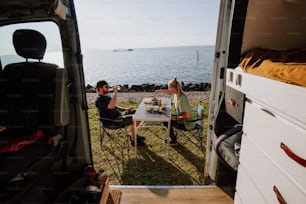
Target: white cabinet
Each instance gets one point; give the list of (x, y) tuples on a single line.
[(246, 191), (272, 158), (286, 99), (272, 167)]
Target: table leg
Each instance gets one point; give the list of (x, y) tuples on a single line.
[(135, 139)]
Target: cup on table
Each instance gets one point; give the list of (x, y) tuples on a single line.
[(148, 107), (155, 108)]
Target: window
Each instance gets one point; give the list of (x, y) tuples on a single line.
[(49, 29)]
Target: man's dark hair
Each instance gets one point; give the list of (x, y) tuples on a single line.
[(100, 84)]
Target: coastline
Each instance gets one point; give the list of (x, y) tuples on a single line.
[(138, 96)]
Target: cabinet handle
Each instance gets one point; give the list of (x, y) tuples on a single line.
[(279, 196), (292, 155), (232, 102), (269, 112)]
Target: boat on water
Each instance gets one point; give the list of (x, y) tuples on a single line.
[(123, 50)]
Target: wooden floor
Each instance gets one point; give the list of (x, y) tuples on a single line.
[(172, 194)]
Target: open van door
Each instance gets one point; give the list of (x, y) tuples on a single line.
[(230, 26), (217, 84), (257, 123), (45, 150)]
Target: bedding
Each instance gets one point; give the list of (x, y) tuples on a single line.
[(8, 144), (286, 66)]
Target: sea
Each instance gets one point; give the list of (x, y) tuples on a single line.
[(190, 64)]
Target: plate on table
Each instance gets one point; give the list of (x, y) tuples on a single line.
[(153, 108), (148, 101)]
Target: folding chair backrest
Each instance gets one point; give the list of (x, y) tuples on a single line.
[(198, 113), (200, 110)]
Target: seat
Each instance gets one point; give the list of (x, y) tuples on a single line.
[(33, 108), (113, 129), (30, 87), (197, 117), (227, 147)]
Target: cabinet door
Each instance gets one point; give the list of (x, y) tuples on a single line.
[(271, 182), (246, 191), (280, 141)]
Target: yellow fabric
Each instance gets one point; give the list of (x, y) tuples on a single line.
[(284, 66)]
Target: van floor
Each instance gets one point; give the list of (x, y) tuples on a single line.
[(172, 194)]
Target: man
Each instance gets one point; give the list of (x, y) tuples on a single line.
[(107, 106)]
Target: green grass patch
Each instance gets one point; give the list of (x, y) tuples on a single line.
[(183, 165)]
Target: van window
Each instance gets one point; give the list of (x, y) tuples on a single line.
[(49, 29)]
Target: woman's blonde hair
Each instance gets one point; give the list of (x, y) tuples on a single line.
[(175, 83)]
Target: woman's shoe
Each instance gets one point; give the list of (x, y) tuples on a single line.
[(140, 142)]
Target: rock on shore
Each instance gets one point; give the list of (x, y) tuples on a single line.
[(138, 96), (151, 87)]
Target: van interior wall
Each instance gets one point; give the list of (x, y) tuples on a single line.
[(282, 19)]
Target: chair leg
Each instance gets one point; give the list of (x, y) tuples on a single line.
[(188, 135), (102, 133), (200, 139), (126, 138), (114, 136)]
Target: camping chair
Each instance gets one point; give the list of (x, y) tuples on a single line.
[(197, 117), (112, 128)]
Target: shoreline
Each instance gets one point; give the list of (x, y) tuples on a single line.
[(188, 87), (138, 96)]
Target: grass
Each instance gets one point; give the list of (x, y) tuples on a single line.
[(184, 164)]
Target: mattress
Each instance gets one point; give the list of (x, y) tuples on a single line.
[(287, 66)]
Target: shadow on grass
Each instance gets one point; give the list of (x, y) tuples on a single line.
[(151, 166), (188, 155), (150, 169), (116, 154)]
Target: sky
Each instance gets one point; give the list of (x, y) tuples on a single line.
[(122, 24)]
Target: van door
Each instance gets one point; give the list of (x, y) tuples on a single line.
[(227, 53)]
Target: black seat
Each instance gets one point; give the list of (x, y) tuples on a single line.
[(226, 149), (30, 87), (27, 106)]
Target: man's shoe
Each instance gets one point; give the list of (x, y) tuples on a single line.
[(171, 142), (140, 138), (139, 143)]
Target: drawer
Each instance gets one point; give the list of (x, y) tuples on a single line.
[(266, 176), (246, 191), (269, 133), (234, 103), (284, 98)]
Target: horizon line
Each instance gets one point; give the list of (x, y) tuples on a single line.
[(96, 49)]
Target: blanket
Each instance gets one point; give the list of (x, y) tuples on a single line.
[(286, 66), (15, 144)]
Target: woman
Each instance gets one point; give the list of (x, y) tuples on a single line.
[(182, 108)]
